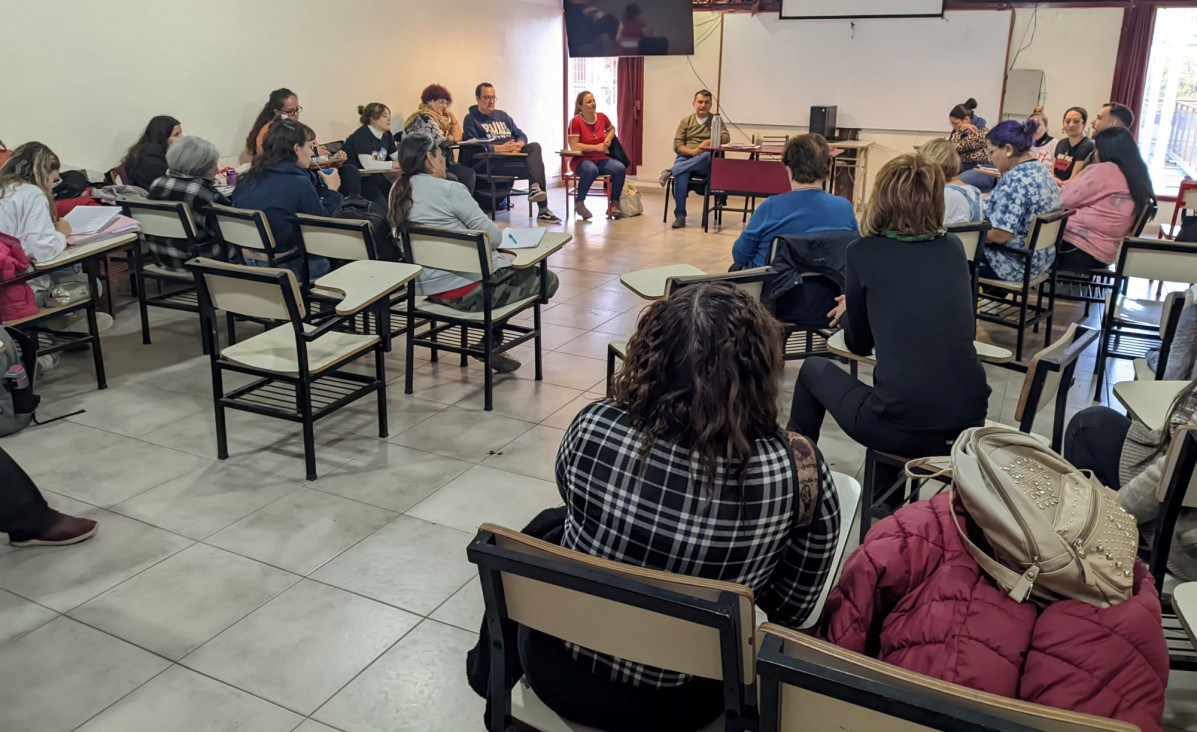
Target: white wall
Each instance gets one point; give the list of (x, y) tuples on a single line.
[(1075, 48), (213, 64), (669, 86)]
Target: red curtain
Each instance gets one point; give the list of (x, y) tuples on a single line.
[(1134, 48), (630, 125)]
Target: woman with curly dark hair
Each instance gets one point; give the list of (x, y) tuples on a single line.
[(685, 469)]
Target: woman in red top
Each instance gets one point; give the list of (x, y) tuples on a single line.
[(590, 133)]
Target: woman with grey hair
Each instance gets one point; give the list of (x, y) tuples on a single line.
[(191, 168)]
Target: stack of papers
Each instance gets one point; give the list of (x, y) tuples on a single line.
[(119, 224), (90, 219), (514, 238)]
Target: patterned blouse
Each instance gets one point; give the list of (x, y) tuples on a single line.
[(970, 145), (1023, 192)]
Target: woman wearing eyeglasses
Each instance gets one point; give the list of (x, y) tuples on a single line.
[(435, 118), (282, 104)]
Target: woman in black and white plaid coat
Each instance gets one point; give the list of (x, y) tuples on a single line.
[(685, 469)]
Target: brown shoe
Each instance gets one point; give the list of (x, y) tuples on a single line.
[(613, 211), (63, 530)]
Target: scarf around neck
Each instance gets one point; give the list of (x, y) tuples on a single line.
[(443, 121)]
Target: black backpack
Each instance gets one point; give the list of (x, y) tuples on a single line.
[(17, 408), (357, 206)]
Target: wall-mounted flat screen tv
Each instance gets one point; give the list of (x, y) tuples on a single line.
[(621, 28)]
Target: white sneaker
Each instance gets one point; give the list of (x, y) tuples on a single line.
[(47, 362), (664, 176)]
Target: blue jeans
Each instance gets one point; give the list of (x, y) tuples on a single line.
[(981, 181), (682, 169), (589, 170), (317, 266)]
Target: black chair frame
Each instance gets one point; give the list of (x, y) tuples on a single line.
[(1021, 314), (48, 340), (1121, 339), (1182, 655), (698, 184), (437, 324), (310, 397), (490, 167), (722, 614), (174, 293), (1092, 287), (321, 307), (774, 668)]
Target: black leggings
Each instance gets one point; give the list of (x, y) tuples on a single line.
[(1094, 440), (572, 690), (1074, 259), (823, 387), (23, 511)]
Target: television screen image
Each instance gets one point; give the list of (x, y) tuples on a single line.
[(622, 28)]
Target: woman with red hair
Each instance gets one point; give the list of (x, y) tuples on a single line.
[(435, 119)]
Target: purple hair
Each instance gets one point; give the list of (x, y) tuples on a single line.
[(1019, 135)]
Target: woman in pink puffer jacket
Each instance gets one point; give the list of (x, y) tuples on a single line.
[(913, 596)]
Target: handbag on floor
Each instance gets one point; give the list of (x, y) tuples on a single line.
[(630, 203), (1056, 532)]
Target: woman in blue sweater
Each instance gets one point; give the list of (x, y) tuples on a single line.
[(806, 209), (280, 185)]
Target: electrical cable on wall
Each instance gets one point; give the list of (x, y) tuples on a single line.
[(722, 112), (1031, 28)]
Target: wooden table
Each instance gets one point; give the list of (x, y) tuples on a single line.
[(364, 282), (74, 255), (851, 167), (1184, 602), (550, 243), (1148, 401), (987, 352), (653, 284)]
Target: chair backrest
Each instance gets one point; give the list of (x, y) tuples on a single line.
[(1145, 218), (168, 219), (246, 228), (684, 624), (1047, 230), (1153, 259), (1175, 493), (1174, 305), (456, 250), (971, 235), (255, 292), (751, 281), (809, 685), (1049, 377), (848, 490), (119, 175), (346, 239)]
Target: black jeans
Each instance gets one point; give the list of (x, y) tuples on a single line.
[(1094, 440), (24, 513), (1075, 259), (823, 387), (572, 690)]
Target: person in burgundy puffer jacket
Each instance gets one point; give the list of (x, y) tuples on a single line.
[(913, 596), (16, 301)]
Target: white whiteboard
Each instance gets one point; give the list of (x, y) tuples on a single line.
[(883, 74), (859, 8)]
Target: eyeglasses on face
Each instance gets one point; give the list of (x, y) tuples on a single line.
[(488, 97), (295, 110)]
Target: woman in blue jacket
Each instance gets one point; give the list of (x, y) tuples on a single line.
[(280, 185)]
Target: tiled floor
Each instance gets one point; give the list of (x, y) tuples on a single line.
[(234, 595)]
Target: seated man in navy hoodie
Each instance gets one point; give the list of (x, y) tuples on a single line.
[(484, 121)]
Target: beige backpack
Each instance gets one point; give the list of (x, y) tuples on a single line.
[(1056, 532)]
